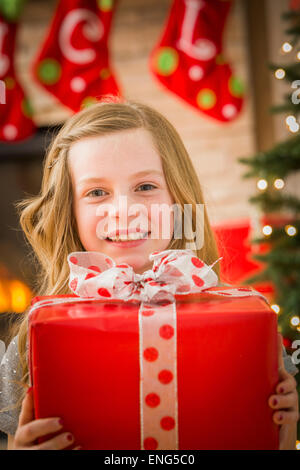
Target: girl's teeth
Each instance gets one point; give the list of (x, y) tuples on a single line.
[(133, 236)]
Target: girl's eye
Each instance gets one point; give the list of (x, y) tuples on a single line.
[(147, 184), (95, 191)]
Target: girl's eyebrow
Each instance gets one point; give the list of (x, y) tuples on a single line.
[(140, 173)]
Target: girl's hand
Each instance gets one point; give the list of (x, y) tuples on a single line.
[(286, 404), (30, 429)]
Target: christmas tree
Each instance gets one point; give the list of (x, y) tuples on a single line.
[(281, 260)]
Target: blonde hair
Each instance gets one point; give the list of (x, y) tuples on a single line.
[(47, 219)]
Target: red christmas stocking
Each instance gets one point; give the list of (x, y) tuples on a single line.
[(188, 58), (73, 64), (15, 110), (294, 4)]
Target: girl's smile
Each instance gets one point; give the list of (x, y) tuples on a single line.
[(128, 238)]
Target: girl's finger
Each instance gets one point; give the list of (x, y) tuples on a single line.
[(29, 432), (284, 401), (287, 385), (27, 409), (285, 417), (57, 443)]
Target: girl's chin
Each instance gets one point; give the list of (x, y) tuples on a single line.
[(138, 258), (139, 263)]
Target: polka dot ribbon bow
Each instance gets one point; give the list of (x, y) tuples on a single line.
[(96, 275)]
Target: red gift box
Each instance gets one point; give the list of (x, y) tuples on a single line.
[(84, 367)]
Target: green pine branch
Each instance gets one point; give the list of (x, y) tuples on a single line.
[(287, 107), (276, 202), (278, 162), (279, 237), (291, 15), (282, 259)]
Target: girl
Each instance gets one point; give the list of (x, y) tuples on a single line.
[(107, 151)]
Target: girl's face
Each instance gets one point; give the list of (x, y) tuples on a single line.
[(110, 174)]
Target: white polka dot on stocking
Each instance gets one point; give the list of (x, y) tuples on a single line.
[(10, 132), (78, 84)]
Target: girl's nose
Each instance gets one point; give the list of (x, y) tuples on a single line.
[(126, 208), (119, 206)]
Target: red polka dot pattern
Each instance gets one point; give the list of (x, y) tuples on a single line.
[(167, 423), (197, 262), (104, 292), (162, 259), (89, 275), (197, 280), (154, 283), (173, 271), (73, 284), (150, 354), (148, 312), (95, 268), (165, 376), (183, 288), (73, 259), (166, 331), (152, 400), (164, 302), (150, 443)]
